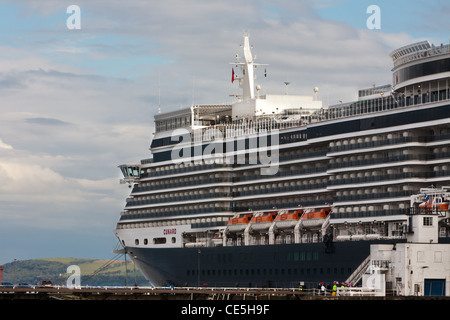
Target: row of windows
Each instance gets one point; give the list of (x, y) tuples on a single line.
[(378, 141), (269, 272), (163, 223), (293, 137), (374, 90), (173, 123), (422, 69), (161, 240), (379, 122), (251, 257), (379, 158), (201, 194), (189, 196)]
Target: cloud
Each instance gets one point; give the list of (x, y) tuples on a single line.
[(5, 145), (48, 199), (27, 181), (47, 121)]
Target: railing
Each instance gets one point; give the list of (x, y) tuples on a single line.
[(433, 51), (380, 264), (213, 292), (333, 112), (358, 291)]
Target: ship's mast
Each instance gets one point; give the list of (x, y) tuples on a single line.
[(251, 106), (247, 81), (248, 88)]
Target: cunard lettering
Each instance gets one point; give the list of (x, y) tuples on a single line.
[(170, 231)]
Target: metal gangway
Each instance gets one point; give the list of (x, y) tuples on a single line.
[(354, 278)]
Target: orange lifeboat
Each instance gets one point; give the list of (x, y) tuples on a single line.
[(263, 220), (435, 204), (289, 215), (240, 219), (315, 218), (321, 214), (239, 222), (265, 217), (288, 219)]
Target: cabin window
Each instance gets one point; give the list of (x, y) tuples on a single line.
[(427, 221), (159, 240)]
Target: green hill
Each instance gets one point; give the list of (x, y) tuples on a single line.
[(93, 272)]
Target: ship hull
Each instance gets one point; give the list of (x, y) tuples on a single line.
[(283, 265)]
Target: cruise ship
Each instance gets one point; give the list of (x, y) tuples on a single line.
[(280, 190)]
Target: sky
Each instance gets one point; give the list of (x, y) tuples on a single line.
[(75, 103)]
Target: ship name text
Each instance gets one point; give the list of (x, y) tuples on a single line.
[(170, 231)]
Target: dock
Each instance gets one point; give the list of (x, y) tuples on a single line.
[(182, 293), (136, 293)]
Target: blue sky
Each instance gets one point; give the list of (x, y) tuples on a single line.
[(418, 18), (75, 104)]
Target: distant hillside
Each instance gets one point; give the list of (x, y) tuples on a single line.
[(93, 272)]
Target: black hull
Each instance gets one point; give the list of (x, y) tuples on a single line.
[(284, 265)]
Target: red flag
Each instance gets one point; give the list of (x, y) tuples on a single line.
[(232, 75)]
